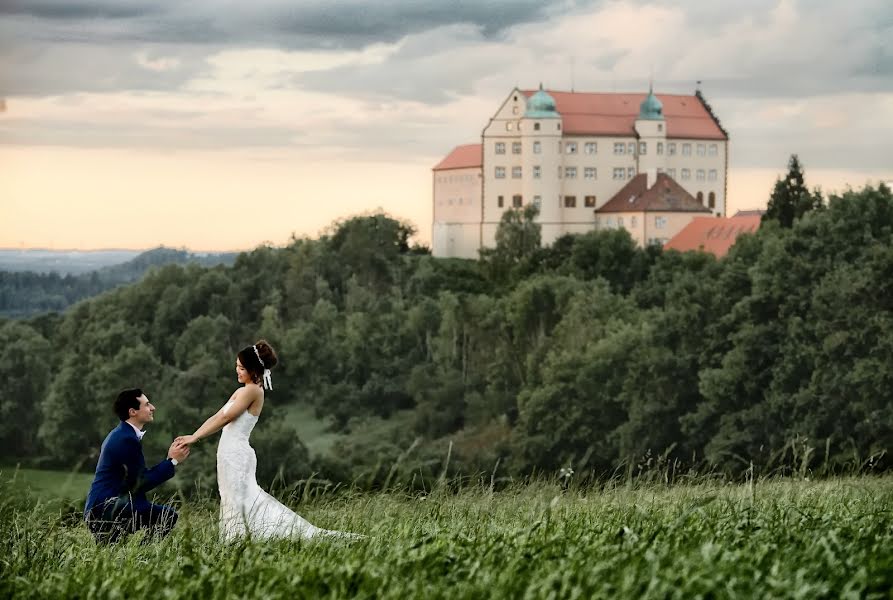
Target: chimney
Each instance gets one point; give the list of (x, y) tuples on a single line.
[(650, 178)]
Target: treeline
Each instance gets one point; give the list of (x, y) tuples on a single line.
[(26, 293), (591, 353)]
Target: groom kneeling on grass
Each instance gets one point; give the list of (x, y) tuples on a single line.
[(117, 504)]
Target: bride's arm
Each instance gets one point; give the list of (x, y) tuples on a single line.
[(240, 403)]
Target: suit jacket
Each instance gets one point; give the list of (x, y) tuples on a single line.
[(121, 472)]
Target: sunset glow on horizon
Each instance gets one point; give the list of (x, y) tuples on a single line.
[(266, 127)]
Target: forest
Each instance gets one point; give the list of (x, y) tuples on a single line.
[(591, 354)]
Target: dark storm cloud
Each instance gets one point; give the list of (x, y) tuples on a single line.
[(286, 24)]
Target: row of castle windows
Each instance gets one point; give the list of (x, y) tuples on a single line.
[(455, 178), (619, 173), (590, 202), (619, 148)]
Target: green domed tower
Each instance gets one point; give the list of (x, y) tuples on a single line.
[(541, 106), (651, 108)]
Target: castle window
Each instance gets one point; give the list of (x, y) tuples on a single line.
[(671, 173), (619, 221), (516, 172), (570, 172), (589, 173), (660, 147), (619, 147), (509, 125), (711, 200), (701, 175), (536, 126), (686, 149), (711, 175), (631, 172), (643, 147), (500, 201), (660, 222), (671, 148), (537, 172), (516, 201), (537, 148), (499, 173), (619, 173), (570, 202), (589, 201), (712, 150), (631, 148), (633, 221), (660, 127), (590, 148), (571, 147), (700, 197), (500, 147), (537, 201), (516, 147), (686, 174)]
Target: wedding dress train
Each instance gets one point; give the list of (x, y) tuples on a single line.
[(245, 509)]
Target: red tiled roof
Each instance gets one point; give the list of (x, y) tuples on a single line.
[(713, 234), (462, 157), (665, 195), (584, 113)]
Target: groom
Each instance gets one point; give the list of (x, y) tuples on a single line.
[(117, 504)]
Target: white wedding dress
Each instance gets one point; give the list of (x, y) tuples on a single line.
[(245, 509)]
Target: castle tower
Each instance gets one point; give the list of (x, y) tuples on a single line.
[(651, 129), (541, 139)]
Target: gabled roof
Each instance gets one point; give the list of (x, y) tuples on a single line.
[(665, 195), (585, 113), (462, 157), (713, 234)]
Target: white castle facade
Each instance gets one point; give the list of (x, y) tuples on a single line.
[(586, 160)]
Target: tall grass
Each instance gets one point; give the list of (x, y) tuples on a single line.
[(765, 538)]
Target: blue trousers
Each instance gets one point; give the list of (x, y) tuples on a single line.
[(116, 518)]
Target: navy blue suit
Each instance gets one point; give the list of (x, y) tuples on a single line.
[(117, 503)]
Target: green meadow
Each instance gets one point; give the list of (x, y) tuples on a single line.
[(706, 539)]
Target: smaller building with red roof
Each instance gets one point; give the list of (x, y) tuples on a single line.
[(652, 207), (714, 234)]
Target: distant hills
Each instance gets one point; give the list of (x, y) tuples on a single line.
[(39, 281), (63, 262)]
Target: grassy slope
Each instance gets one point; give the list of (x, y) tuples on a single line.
[(47, 484), (312, 431), (781, 539)]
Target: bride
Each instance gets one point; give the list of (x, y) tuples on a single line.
[(245, 509)]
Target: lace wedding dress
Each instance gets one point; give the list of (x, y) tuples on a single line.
[(245, 509)]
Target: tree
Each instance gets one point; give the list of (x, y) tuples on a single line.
[(790, 199), (25, 367), (518, 239)]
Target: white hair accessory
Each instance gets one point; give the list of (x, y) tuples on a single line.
[(268, 379)]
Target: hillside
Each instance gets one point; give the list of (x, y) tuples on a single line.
[(27, 293)]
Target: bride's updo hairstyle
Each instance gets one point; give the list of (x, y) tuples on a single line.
[(256, 362)]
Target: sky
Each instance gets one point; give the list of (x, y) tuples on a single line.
[(222, 125)]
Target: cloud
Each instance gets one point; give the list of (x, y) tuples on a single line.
[(281, 23), (357, 79)]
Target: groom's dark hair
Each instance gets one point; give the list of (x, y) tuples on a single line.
[(126, 400)]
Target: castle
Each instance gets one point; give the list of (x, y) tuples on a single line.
[(648, 163)]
